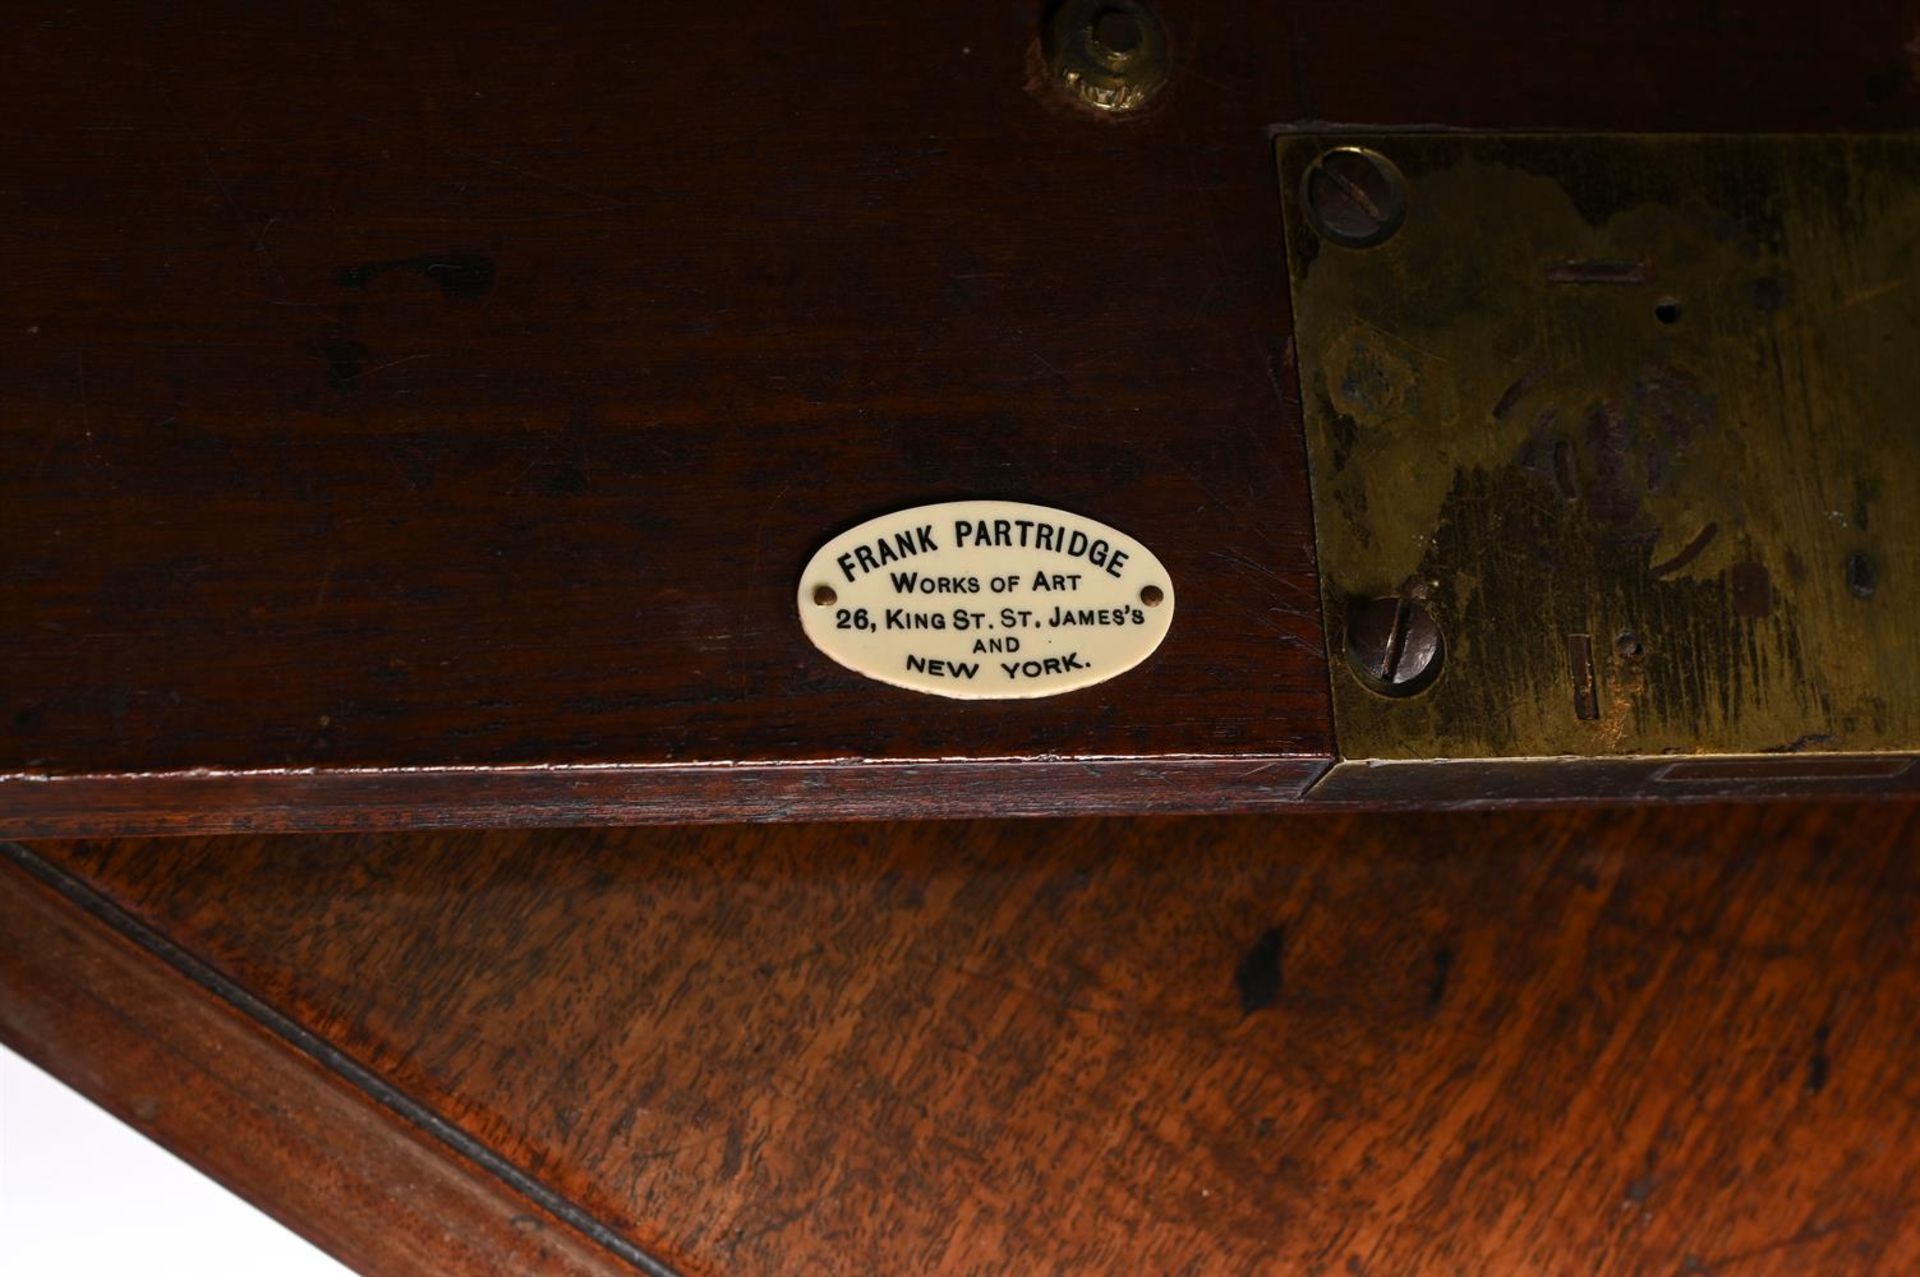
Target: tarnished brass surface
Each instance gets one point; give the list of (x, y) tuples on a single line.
[(1637, 420)]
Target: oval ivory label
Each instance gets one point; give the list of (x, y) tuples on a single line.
[(986, 600)]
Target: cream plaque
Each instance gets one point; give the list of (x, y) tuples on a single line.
[(986, 600)]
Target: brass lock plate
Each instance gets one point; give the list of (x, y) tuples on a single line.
[(1629, 424)]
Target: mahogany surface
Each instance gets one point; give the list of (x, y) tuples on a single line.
[(251, 1107), (443, 396), (1596, 1041)]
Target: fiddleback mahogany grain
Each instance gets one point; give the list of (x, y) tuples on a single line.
[(129, 1022), (1612, 1042)]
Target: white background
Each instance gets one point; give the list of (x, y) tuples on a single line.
[(83, 1196)]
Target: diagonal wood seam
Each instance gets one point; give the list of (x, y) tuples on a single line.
[(330, 1059)]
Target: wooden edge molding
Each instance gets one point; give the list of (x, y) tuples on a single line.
[(191, 1060), (377, 798), (380, 799)]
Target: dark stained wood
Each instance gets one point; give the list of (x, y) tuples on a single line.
[(377, 799), (1605, 1041), (460, 386), (466, 384)]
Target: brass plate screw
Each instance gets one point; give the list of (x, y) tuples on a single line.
[(1109, 55), (1394, 645), (1354, 197)]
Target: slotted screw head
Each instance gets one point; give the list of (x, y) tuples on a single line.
[(1394, 645), (1354, 197)]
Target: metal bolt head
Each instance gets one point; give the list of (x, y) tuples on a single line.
[(1394, 645), (1109, 55), (1354, 196)]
